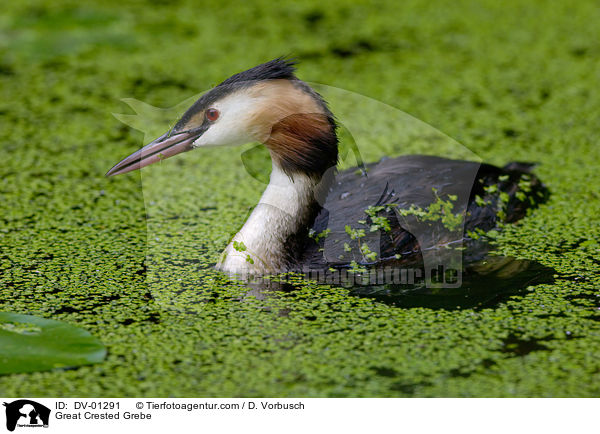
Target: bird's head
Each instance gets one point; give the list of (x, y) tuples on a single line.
[(265, 104)]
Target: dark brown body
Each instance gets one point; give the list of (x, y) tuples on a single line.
[(411, 180)]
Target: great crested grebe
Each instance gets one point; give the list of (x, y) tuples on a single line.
[(305, 198)]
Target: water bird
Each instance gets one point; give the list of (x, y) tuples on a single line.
[(312, 217)]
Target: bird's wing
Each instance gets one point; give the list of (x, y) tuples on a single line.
[(429, 202)]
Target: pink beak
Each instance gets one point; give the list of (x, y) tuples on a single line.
[(164, 147)]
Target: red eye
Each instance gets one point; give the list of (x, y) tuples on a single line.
[(212, 114)]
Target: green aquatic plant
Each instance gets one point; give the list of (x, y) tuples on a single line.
[(172, 325), (357, 268), (354, 234), (367, 253), (29, 343), (358, 235), (321, 235), (441, 210), (379, 222), (239, 246)]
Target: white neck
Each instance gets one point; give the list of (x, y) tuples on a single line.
[(283, 210)]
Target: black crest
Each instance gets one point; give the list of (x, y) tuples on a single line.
[(272, 70), (279, 68)]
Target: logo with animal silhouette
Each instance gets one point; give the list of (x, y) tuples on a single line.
[(25, 413)]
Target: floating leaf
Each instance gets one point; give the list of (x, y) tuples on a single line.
[(29, 343)]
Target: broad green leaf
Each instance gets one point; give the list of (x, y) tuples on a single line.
[(29, 343)]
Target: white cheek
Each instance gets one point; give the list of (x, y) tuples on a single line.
[(224, 132), (232, 128)]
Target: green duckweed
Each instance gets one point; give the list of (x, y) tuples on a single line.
[(132, 263)]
